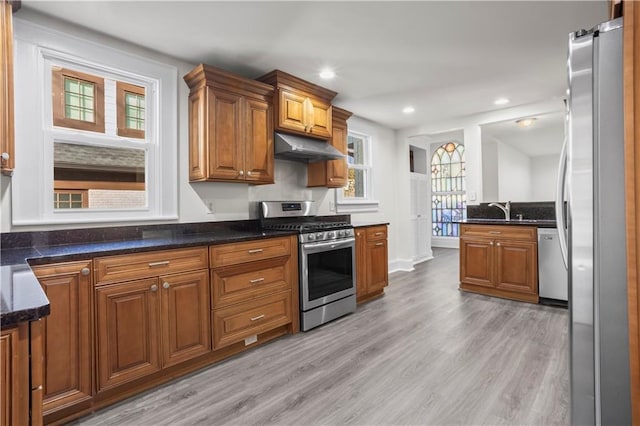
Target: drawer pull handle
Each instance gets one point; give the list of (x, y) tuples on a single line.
[(259, 317), (379, 233), (379, 244), (254, 251), (257, 280), (85, 271), (154, 264), (495, 232)]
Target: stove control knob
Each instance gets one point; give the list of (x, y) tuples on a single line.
[(319, 236), (341, 233), (312, 237), (331, 234)]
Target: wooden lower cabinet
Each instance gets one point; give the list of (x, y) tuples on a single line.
[(14, 375), (150, 324), (372, 262), (499, 261), (67, 335)]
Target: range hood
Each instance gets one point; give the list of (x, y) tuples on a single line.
[(306, 150)]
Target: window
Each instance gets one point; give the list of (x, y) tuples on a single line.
[(357, 195), (448, 194), (98, 132), (69, 199), (130, 106), (78, 100)]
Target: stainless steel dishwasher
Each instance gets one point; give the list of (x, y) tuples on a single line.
[(552, 275)]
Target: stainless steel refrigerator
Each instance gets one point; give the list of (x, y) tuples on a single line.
[(591, 180)]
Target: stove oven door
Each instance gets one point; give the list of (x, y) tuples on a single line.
[(327, 272)]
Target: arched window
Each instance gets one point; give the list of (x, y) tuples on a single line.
[(448, 190)]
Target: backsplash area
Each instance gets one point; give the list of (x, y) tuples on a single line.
[(544, 210)]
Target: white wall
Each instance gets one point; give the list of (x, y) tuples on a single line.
[(544, 172), (514, 174), (232, 201), (490, 172)]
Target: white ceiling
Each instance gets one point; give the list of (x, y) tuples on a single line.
[(544, 137), (447, 59)]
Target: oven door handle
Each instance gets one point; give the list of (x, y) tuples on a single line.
[(333, 244)]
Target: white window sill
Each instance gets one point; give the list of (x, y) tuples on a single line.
[(357, 206)]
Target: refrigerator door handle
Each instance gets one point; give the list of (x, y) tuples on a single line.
[(560, 210)]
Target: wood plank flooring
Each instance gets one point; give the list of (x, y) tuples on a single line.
[(423, 354)]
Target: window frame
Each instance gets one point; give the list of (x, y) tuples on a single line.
[(33, 182), (368, 203), (435, 193), (121, 109), (60, 119)]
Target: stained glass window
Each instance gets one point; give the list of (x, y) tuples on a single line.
[(448, 192)]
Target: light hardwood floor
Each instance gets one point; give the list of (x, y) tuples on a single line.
[(425, 353)]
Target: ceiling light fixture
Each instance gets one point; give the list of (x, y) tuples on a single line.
[(408, 109), (501, 101), (525, 122), (327, 74)]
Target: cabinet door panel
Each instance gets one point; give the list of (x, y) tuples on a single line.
[(321, 120), (476, 262), (66, 334), (186, 329), (361, 264), (127, 326), (337, 169), (225, 137), (292, 112), (258, 142), (198, 142), (516, 266), (377, 265)]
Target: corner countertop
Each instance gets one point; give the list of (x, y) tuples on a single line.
[(22, 296), (538, 223)]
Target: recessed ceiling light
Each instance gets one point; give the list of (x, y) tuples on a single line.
[(408, 109), (501, 101), (327, 74), (525, 122)]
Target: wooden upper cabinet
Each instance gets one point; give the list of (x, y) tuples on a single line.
[(301, 107), (67, 334), (332, 173), (230, 127), (7, 135)]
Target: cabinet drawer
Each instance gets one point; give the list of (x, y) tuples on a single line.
[(528, 233), (244, 282), (235, 323), (135, 266), (376, 233), (250, 251)]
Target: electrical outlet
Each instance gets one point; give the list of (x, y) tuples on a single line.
[(332, 206), (211, 206)]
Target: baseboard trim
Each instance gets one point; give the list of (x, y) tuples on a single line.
[(400, 265), (445, 242), (422, 259)]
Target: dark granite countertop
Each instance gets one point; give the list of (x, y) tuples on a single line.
[(538, 223), (22, 296)]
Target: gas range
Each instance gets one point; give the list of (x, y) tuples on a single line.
[(326, 261), (301, 216)]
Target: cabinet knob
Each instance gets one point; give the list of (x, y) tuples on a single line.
[(498, 244), (491, 243), (249, 173), (165, 285), (154, 287), (85, 271), (5, 156), (241, 172)]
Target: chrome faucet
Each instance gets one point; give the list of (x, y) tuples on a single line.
[(506, 209)]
